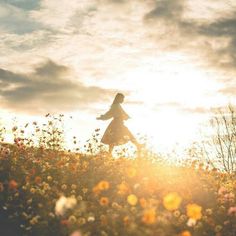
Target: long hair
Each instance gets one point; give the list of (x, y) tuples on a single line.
[(118, 98)]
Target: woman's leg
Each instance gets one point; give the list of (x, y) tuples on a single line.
[(111, 146)]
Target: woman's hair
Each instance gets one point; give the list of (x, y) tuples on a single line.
[(118, 98)]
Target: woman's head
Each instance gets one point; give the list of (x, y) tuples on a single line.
[(119, 98)]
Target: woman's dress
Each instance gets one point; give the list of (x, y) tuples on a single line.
[(116, 133)]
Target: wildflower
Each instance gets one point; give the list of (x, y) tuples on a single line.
[(143, 202), (49, 178), (176, 213), (79, 198), (81, 221), (38, 179), (194, 211), (218, 228), (132, 199), (126, 220), (64, 187), (104, 201), (232, 211), (72, 219), (14, 128), (12, 185), (103, 185), (34, 220), (73, 186), (103, 220), (222, 190), (209, 211), (131, 172), (32, 190), (191, 222), (123, 188), (91, 219), (64, 204), (185, 233), (149, 216), (172, 201), (76, 233)]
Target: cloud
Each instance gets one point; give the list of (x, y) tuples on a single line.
[(48, 88), (24, 4), (166, 9), (16, 20)]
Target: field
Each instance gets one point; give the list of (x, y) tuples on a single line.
[(46, 192)]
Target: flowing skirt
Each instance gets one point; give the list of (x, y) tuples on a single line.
[(117, 133)]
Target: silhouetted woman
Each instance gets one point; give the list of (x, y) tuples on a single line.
[(116, 133)]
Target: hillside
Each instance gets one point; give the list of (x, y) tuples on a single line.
[(45, 192)]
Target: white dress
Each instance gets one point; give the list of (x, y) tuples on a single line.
[(116, 133)]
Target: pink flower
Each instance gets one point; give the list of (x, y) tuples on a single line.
[(232, 211), (222, 190)]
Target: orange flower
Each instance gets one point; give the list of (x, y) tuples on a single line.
[(123, 188), (143, 202), (104, 201), (38, 179), (149, 216), (172, 201), (103, 185), (126, 220), (12, 185), (194, 211), (132, 199), (185, 233), (96, 190)]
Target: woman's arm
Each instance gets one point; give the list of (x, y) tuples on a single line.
[(108, 115)]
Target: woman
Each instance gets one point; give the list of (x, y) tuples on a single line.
[(116, 133)]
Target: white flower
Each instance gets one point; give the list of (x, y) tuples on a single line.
[(63, 204)]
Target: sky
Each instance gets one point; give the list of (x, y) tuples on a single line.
[(174, 60)]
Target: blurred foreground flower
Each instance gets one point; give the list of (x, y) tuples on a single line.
[(63, 204), (149, 216), (76, 233), (103, 185), (232, 211), (132, 199), (194, 211), (12, 185), (172, 201), (104, 201), (185, 233)]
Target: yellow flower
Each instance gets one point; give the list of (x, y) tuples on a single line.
[(132, 199), (149, 216), (172, 201), (185, 233), (131, 172), (32, 190), (49, 178), (103, 185), (194, 211), (104, 201)]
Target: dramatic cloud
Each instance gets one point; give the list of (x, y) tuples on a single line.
[(48, 88)]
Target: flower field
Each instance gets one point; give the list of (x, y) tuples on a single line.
[(45, 192)]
